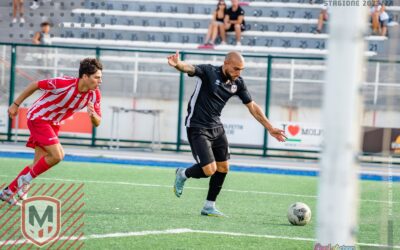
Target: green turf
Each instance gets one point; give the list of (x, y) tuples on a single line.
[(122, 199)]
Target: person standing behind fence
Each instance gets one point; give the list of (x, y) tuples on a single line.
[(43, 36), (18, 7), (234, 21)]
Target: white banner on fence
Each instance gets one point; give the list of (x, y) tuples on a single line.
[(244, 131), (301, 136), (3, 119), (240, 131)]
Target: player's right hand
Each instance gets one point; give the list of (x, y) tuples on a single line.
[(278, 134), (173, 60), (90, 109), (13, 111)]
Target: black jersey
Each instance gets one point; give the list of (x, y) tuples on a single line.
[(212, 92), (234, 15)]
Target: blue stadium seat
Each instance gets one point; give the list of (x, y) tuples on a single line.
[(287, 24), (110, 6)]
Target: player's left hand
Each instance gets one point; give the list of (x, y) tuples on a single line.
[(13, 111), (173, 60), (278, 134), (90, 109)]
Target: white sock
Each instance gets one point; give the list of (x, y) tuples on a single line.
[(209, 204), (183, 174), (28, 177), (7, 191)]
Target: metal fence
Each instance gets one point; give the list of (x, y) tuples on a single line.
[(144, 99)]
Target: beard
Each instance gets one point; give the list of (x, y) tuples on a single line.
[(230, 77)]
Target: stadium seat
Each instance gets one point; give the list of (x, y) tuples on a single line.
[(285, 25)]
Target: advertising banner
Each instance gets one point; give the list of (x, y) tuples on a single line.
[(301, 136)]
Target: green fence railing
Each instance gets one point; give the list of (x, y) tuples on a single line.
[(269, 76)]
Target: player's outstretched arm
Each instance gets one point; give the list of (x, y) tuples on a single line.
[(94, 117), (258, 113), (174, 61), (28, 91)]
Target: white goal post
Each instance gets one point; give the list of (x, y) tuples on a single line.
[(338, 194)]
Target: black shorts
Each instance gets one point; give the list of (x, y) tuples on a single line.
[(232, 28), (208, 145)]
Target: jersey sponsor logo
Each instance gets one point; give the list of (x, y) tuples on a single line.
[(234, 88)]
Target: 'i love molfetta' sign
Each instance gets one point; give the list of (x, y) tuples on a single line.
[(301, 136)]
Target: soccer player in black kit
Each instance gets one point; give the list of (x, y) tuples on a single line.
[(215, 85)]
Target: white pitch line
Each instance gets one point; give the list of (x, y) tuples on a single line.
[(114, 235), (187, 230), (197, 188)]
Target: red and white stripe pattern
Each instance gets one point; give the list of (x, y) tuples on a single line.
[(61, 100)]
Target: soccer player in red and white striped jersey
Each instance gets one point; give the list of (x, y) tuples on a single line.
[(62, 98)]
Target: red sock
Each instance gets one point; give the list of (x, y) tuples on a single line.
[(40, 167), (14, 184)]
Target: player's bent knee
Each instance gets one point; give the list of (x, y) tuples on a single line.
[(223, 169), (56, 158), (210, 169)]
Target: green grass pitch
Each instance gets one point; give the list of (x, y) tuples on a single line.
[(131, 207)]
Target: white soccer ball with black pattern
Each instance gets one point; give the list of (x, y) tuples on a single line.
[(299, 214)]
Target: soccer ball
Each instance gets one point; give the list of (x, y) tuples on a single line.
[(299, 214)]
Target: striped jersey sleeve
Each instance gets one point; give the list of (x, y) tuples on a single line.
[(61, 99)]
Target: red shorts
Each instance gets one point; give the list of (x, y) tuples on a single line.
[(43, 133)]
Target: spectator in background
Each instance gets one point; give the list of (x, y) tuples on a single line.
[(234, 21), (18, 7), (323, 16), (379, 18), (43, 36), (217, 25)]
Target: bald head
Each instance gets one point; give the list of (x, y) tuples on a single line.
[(233, 65), (234, 57)]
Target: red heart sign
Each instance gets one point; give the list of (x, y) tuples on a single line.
[(294, 129)]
